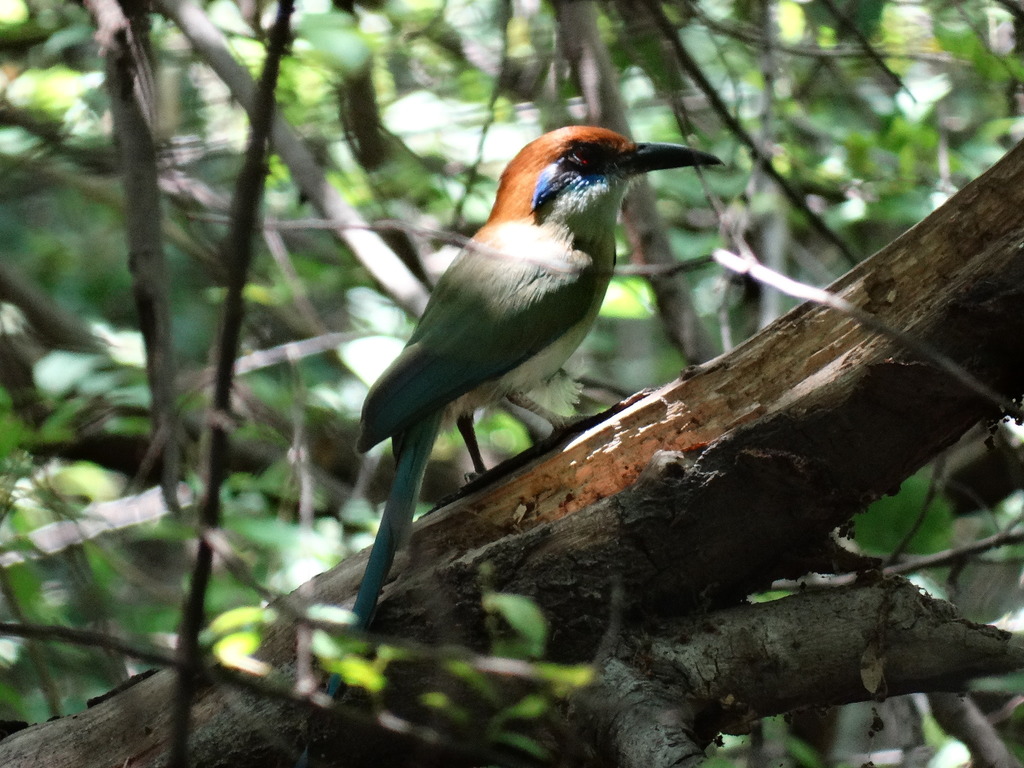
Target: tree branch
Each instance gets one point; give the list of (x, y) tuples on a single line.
[(666, 694), (960, 717), (133, 105)]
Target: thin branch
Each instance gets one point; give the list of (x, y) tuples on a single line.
[(299, 458), (922, 514), (46, 682), (132, 99), (749, 35), (462, 241), (665, 270), (95, 520), (51, 324), (473, 173), (845, 23), (99, 189), (122, 36), (300, 297), (87, 638), (957, 554), (292, 351), (238, 247), (271, 688), (770, 225), (961, 718)]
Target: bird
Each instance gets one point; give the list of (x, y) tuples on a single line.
[(505, 316), (508, 312)]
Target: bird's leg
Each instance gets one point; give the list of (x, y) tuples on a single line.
[(465, 425), (557, 422)]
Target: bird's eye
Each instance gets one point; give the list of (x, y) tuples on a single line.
[(584, 157)]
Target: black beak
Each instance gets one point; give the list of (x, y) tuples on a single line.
[(656, 157)]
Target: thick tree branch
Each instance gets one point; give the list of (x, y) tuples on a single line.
[(720, 672)]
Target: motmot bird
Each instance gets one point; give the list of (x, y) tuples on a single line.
[(508, 312)]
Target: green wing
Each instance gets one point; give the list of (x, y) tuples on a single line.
[(488, 315)]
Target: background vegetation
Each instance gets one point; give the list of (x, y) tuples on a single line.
[(841, 125)]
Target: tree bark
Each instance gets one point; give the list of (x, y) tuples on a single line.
[(639, 537)]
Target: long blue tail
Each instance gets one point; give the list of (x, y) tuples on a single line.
[(412, 450)]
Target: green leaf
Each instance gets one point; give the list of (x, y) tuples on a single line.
[(528, 708), (523, 744), (803, 753), (566, 679), (628, 298), (236, 649), (524, 618), (239, 618), (358, 672), (333, 648), (476, 679), (442, 703), (336, 41), (883, 526), (88, 480), (331, 613)]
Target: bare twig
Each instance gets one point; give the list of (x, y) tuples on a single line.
[(300, 298), (770, 225), (473, 172), (272, 687), (957, 554), (298, 455), (291, 351), (238, 247), (459, 240), (922, 514), (95, 520), (750, 35), (121, 33), (850, 26), (87, 638), (664, 270)]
